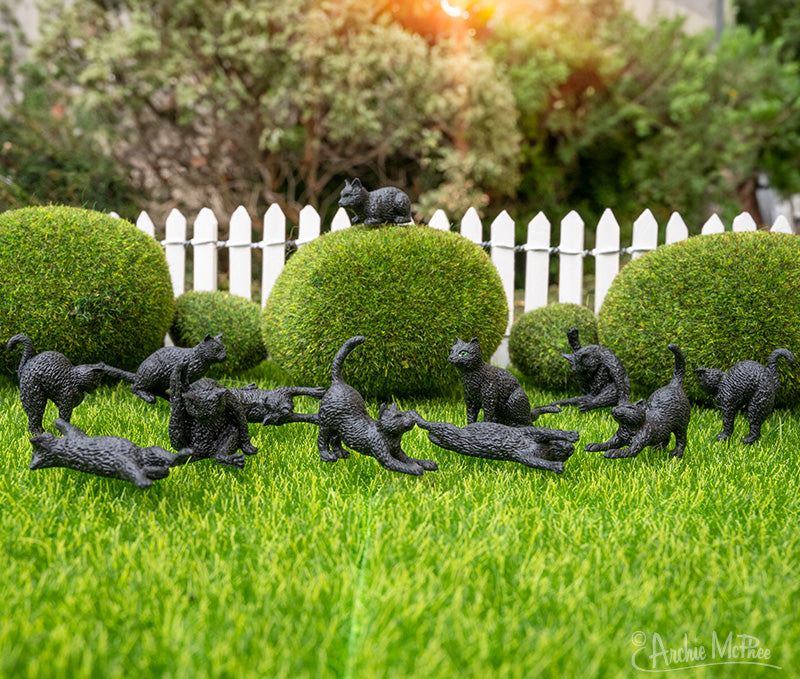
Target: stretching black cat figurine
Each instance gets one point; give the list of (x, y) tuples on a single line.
[(388, 205), (276, 406), (153, 376), (652, 423), (50, 375), (748, 384), (109, 456), (208, 418), (492, 389), (601, 376), (343, 418)]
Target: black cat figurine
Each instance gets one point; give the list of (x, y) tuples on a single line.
[(208, 418), (152, 378), (109, 456), (652, 423), (748, 384), (492, 389), (388, 205), (276, 406), (343, 419), (50, 375), (600, 374)]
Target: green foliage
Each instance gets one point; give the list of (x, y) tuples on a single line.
[(409, 290), (778, 19), (539, 337), (239, 320), (722, 298), (83, 283)]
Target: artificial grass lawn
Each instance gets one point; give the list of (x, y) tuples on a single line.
[(295, 568)]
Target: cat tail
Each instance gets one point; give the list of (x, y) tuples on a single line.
[(772, 363), (341, 355), (28, 351), (679, 371), (572, 338), (116, 373)]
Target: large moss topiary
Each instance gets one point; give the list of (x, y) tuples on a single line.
[(539, 337), (84, 283), (411, 290), (239, 320), (721, 298)]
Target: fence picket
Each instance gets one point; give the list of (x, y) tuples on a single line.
[(570, 260), (145, 224), (175, 251), (471, 226), (676, 229), (781, 225), (537, 263), (645, 234), (606, 256), (743, 222), (204, 244), (240, 254), (439, 221), (713, 225), (274, 248), (310, 226), (340, 220)]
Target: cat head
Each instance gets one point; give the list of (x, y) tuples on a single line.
[(204, 399), (393, 422), (88, 376), (466, 355), (279, 407), (352, 193), (213, 348), (586, 360), (632, 415)]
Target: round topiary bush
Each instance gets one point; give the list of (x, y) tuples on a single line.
[(410, 290), (198, 314), (722, 298), (539, 337), (84, 283)]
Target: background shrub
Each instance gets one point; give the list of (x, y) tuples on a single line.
[(239, 320), (409, 290), (722, 298), (83, 283), (539, 337)]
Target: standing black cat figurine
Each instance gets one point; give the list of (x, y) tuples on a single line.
[(276, 406), (748, 384), (388, 205), (50, 375), (343, 418), (490, 388)]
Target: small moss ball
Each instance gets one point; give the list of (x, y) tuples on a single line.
[(410, 290), (83, 283), (721, 298), (198, 314), (539, 337)]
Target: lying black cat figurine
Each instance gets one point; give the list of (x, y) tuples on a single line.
[(492, 389), (532, 446), (601, 376), (748, 384), (276, 406), (152, 378), (109, 456), (208, 418), (652, 423), (50, 375), (343, 418), (388, 205)]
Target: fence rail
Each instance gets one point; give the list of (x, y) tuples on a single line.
[(538, 249)]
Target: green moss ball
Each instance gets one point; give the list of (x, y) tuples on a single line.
[(84, 283), (410, 290), (721, 298), (198, 314), (539, 337)]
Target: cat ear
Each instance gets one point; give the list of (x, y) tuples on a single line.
[(474, 340), (218, 337), (347, 184), (207, 337), (382, 409), (641, 403), (356, 183)]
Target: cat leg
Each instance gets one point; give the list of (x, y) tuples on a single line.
[(227, 450), (143, 394), (637, 445), (606, 397), (399, 454), (758, 410), (621, 438), (681, 440), (34, 404), (324, 438), (530, 459), (728, 419)]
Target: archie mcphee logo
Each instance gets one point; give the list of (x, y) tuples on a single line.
[(658, 655)]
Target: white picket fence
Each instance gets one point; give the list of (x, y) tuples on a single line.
[(538, 250)]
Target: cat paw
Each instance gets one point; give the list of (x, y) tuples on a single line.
[(593, 447), (676, 452), (751, 438), (236, 460), (249, 449), (428, 465), (617, 453), (723, 436)]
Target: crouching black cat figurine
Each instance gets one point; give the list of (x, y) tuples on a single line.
[(343, 418), (388, 205), (651, 423), (276, 406), (601, 376), (748, 384), (110, 456)]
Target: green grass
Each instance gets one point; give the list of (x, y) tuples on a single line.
[(294, 568)]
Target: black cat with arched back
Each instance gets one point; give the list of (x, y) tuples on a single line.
[(388, 205)]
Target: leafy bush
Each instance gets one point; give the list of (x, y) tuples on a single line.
[(409, 290), (239, 320), (83, 283), (722, 298), (539, 337)]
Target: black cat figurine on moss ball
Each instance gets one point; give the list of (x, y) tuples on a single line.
[(388, 205), (748, 384)]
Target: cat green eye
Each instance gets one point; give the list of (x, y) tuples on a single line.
[(462, 353)]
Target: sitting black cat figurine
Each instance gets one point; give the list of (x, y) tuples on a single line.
[(50, 375), (208, 418), (535, 447), (110, 456), (651, 423), (492, 389), (388, 205), (153, 376), (343, 418), (276, 406), (601, 376), (748, 384)]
